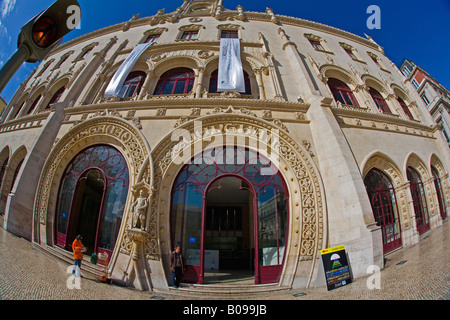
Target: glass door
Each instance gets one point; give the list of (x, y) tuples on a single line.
[(199, 223)]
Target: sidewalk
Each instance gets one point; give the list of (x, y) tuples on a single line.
[(419, 272)]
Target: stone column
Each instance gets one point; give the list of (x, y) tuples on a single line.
[(138, 274), (199, 82), (349, 213)]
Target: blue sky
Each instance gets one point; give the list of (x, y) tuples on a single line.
[(417, 30)]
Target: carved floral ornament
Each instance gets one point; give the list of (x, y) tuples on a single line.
[(306, 206), (106, 130)]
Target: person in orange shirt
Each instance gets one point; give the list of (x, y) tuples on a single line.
[(78, 249)]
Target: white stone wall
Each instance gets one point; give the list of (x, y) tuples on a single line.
[(339, 140)]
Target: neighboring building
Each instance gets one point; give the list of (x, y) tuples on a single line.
[(435, 96), (328, 146), (2, 105)]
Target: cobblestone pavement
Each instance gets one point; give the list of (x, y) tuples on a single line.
[(26, 273)]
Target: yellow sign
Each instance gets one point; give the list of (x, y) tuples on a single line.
[(333, 249)]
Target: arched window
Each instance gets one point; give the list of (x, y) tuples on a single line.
[(17, 111), (379, 100), (419, 201), (341, 92), (405, 108), (384, 206), (176, 81), (132, 85), (92, 197), (16, 173), (33, 106), (2, 171), (215, 76), (439, 192), (56, 97)]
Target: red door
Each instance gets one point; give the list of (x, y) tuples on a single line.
[(266, 218)]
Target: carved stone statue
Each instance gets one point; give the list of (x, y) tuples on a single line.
[(139, 209)]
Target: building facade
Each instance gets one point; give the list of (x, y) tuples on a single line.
[(326, 146), (435, 96)]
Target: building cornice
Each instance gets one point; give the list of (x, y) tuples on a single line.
[(229, 14)]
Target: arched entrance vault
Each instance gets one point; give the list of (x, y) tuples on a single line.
[(307, 225), (107, 130)]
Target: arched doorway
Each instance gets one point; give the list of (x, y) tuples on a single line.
[(92, 199), (229, 231), (227, 204), (86, 207), (384, 206), (439, 192), (419, 201)]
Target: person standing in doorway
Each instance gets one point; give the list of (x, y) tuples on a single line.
[(78, 248), (176, 266)]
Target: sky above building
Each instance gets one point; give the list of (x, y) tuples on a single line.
[(416, 30)]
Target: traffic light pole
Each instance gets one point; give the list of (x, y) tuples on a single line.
[(12, 65)]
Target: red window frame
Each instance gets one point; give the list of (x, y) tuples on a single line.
[(351, 54), (419, 201), (376, 61), (33, 106), (56, 97), (176, 81), (230, 34), (439, 192), (405, 108), (2, 171), (384, 206), (152, 38), (195, 180), (379, 100), (342, 93), (317, 45), (189, 35), (133, 84)]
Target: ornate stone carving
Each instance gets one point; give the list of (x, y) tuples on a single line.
[(139, 209), (97, 130), (299, 165)]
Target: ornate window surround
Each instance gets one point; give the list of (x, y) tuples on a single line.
[(151, 32), (85, 51), (378, 61), (189, 27), (355, 52), (323, 43), (229, 27)]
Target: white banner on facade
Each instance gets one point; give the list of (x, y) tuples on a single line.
[(121, 74), (231, 75)]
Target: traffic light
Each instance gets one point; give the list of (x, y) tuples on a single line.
[(46, 30), (40, 35)]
